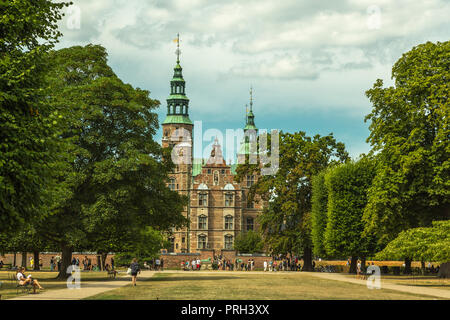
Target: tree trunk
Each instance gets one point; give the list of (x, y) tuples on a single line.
[(408, 266), (24, 259), (307, 259), (104, 256), (15, 259), (99, 262), (66, 261), (353, 264), (363, 264), (422, 264), (36, 260)]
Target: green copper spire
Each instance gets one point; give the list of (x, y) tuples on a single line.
[(245, 148), (177, 102), (250, 121)]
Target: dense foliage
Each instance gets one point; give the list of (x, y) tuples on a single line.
[(421, 244), (347, 187), (249, 242), (28, 30), (409, 133)]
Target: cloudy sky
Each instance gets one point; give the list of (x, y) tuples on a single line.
[(309, 62)]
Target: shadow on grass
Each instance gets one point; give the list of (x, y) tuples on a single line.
[(194, 278)]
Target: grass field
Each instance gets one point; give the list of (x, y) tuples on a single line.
[(247, 286), (46, 279)]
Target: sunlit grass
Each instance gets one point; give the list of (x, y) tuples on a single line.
[(238, 286)]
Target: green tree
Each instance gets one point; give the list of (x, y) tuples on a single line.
[(319, 203), (347, 187), (28, 30), (113, 177), (409, 132), (145, 246), (286, 219), (249, 242), (421, 244)]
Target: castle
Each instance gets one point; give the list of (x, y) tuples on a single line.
[(217, 209)]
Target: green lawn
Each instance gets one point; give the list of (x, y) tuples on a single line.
[(234, 286), (46, 279)]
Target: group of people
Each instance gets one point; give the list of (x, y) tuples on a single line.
[(195, 264), (156, 265)]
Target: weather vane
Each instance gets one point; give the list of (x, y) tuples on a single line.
[(178, 51), (251, 98)]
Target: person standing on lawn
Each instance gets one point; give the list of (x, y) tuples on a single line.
[(135, 269)]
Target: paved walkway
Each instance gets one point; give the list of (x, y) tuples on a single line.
[(88, 289), (440, 293)]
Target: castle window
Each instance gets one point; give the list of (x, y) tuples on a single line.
[(172, 184), (223, 171), (216, 178), (228, 242), (229, 222), (209, 171), (228, 199), (250, 181), (202, 222), (183, 239), (250, 224), (202, 241), (203, 199)]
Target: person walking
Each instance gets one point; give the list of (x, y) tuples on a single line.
[(265, 265), (135, 269)]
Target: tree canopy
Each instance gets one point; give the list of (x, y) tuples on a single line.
[(286, 219), (112, 177), (347, 186), (409, 133), (421, 244), (28, 30), (249, 242)]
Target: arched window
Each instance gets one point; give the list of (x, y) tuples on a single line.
[(229, 222), (202, 222), (228, 241), (202, 241)]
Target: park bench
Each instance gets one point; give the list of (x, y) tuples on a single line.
[(6, 266)]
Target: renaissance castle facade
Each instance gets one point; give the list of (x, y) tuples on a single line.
[(218, 208)]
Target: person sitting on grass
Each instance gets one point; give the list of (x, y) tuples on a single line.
[(23, 281)]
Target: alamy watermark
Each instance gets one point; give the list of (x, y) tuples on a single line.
[(250, 145), (374, 280), (74, 280)]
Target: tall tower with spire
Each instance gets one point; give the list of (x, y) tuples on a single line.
[(177, 133), (250, 131)]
